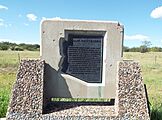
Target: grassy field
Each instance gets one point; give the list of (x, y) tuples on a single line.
[(9, 61), (151, 64)]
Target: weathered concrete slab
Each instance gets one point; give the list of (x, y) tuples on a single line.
[(82, 57)]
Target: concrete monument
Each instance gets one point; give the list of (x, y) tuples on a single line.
[(79, 59), (83, 55)]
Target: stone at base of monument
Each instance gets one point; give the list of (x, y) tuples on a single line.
[(27, 94), (27, 97)]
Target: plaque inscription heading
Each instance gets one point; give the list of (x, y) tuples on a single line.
[(84, 58)]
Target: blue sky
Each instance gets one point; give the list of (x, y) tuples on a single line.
[(142, 19)]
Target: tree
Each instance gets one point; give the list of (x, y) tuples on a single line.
[(145, 46), (155, 49), (4, 47), (17, 48), (125, 49)]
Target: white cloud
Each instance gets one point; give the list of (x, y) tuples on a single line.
[(31, 17), (57, 18), (3, 7), (26, 24), (7, 25), (1, 22), (5, 40), (137, 37), (157, 12), (44, 18), (10, 40), (17, 41), (19, 15), (10, 25), (4, 24)]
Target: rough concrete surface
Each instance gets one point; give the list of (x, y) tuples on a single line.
[(55, 32), (27, 97), (27, 94), (132, 101)]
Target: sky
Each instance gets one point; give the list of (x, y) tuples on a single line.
[(142, 19)]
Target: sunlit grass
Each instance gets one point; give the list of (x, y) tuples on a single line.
[(12, 58), (151, 65), (9, 61), (6, 83), (80, 99)]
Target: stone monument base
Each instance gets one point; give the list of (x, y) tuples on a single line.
[(27, 97)]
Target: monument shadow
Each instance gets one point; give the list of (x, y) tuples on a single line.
[(51, 86)]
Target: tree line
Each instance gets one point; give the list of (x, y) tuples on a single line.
[(142, 49), (145, 47), (19, 47)]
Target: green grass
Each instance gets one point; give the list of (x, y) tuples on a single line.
[(9, 61), (80, 99), (12, 58), (151, 65), (6, 82)]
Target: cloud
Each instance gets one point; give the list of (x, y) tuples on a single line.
[(10, 25), (5, 40), (31, 17), (10, 40), (44, 18), (4, 24), (137, 37), (19, 15), (17, 41), (3, 7), (55, 18), (26, 24), (157, 13), (1, 22)]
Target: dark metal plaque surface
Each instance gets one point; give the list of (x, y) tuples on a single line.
[(84, 58)]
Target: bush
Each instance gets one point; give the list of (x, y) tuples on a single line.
[(143, 49), (17, 48), (4, 47)]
